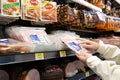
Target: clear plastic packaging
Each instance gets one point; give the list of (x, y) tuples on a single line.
[(29, 34), (11, 45), (10, 8), (49, 11), (31, 9)]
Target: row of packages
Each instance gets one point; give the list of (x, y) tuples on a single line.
[(82, 19), (33, 10), (33, 39)]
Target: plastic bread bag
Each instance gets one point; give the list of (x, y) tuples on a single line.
[(93, 16), (11, 45)]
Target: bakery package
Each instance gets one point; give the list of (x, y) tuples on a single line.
[(31, 10), (92, 18), (49, 11), (10, 45), (10, 8)]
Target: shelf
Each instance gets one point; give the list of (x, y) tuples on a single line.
[(80, 76), (13, 58), (6, 19), (87, 4)]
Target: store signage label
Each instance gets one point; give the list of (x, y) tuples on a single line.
[(62, 53), (39, 56)]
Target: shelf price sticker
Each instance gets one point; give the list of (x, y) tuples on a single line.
[(62, 53), (39, 56), (87, 73)]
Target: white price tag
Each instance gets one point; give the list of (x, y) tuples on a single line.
[(101, 16), (39, 56), (62, 53)]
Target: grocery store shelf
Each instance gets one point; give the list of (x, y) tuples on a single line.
[(87, 4), (83, 75), (13, 58), (6, 19)]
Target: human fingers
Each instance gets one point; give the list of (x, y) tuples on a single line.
[(81, 39)]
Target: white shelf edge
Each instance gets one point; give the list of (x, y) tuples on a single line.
[(87, 4)]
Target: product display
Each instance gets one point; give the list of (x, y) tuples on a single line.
[(10, 8), (70, 70), (79, 65), (38, 38), (10, 45), (31, 9), (53, 72), (49, 11), (32, 74)]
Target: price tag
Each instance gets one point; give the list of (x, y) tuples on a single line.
[(39, 56), (62, 53), (87, 73)]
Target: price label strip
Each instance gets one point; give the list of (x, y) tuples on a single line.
[(63, 54), (39, 56), (87, 73)]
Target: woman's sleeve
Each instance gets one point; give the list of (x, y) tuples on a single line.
[(109, 52), (107, 70)]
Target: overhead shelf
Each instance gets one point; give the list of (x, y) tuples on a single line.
[(26, 57), (6, 19), (87, 4)]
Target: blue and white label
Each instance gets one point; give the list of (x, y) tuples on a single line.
[(75, 45)]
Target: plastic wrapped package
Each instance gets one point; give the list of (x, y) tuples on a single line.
[(68, 15), (53, 72), (31, 9), (57, 36), (10, 45), (29, 34), (70, 70), (32, 74), (49, 11), (10, 8), (92, 18), (56, 41), (34, 36)]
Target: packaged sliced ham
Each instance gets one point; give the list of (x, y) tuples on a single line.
[(70, 70), (53, 72), (49, 11), (79, 65), (31, 9), (29, 34), (10, 45), (10, 8), (32, 74)]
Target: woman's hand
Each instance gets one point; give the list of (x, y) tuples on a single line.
[(83, 55), (87, 44)]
